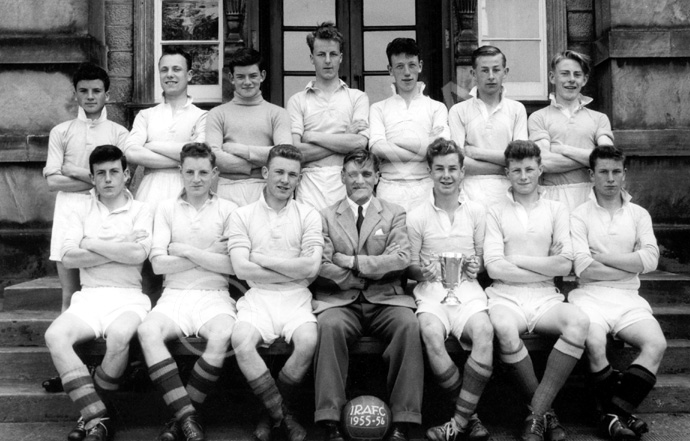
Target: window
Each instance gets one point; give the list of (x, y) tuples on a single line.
[(193, 25), (518, 28)]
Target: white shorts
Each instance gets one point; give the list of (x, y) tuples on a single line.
[(275, 313), (529, 303), (159, 185), (428, 296), (99, 307), (407, 194), (191, 309), (570, 195), (242, 192), (611, 308), (486, 189), (65, 203), (320, 187)]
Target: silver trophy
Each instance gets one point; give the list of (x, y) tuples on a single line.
[(451, 275)]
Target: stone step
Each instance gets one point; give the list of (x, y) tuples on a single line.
[(28, 402), (666, 427), (42, 294)]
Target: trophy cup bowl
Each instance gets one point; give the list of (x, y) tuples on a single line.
[(451, 267)]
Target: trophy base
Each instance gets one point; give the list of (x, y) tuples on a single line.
[(451, 301)]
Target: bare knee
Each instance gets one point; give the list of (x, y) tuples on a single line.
[(56, 339), (576, 326), (242, 343), (505, 330), (434, 341), (483, 335), (118, 338), (149, 333), (654, 348)]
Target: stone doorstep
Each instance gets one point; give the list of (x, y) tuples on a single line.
[(659, 287)]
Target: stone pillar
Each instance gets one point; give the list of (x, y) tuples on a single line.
[(234, 37)]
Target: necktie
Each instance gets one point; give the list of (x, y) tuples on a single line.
[(360, 218)]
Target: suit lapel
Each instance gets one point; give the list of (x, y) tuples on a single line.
[(347, 222), (371, 220)]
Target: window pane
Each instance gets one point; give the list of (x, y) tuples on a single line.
[(296, 51), (389, 12), (378, 87), (190, 20), (511, 19), (307, 12), (375, 43), (292, 85), (523, 60)]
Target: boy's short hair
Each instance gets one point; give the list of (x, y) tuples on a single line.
[(287, 151), (522, 149), (582, 59), (605, 152), (197, 150), (362, 157), (89, 71), (177, 50), (245, 57), (325, 31), (487, 51), (407, 46), (443, 147), (107, 153)]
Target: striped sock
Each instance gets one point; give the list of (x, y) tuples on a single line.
[(450, 381), (201, 382), (264, 387), (474, 380), (165, 377), (79, 386), (560, 364), (636, 383), (104, 381), (287, 387), (522, 370)]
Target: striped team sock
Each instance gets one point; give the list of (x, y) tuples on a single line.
[(560, 364), (636, 383), (264, 387), (450, 381), (475, 377), (166, 378), (79, 386), (201, 382), (522, 370)]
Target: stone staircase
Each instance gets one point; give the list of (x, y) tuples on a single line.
[(29, 308)]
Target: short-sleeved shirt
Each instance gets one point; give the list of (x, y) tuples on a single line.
[(431, 231), (471, 124), (392, 120), (629, 230), (286, 233), (252, 121), (72, 142), (95, 221), (511, 229), (310, 110), (580, 129), (178, 221), (161, 123)]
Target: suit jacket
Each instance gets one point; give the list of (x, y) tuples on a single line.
[(379, 276)]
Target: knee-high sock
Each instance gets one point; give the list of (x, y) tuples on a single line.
[(264, 387), (474, 380), (560, 364), (166, 378), (522, 370), (105, 386), (201, 381), (450, 381), (288, 387), (79, 386), (635, 384), (602, 384)]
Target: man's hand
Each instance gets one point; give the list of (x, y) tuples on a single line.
[(136, 236), (435, 132), (555, 249), (307, 252), (557, 147), (392, 248), (472, 267), (84, 244), (219, 246), (178, 249), (470, 151), (342, 260), (431, 270), (357, 126)]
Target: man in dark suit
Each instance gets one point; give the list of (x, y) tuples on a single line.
[(366, 251)]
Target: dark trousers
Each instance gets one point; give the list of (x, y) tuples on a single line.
[(397, 326)]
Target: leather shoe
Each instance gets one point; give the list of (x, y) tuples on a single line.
[(332, 431), (398, 433)]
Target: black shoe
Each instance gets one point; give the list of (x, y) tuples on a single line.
[(263, 429), (476, 430), (292, 429), (533, 429), (78, 432), (102, 430), (398, 433), (554, 431), (637, 425), (445, 432), (611, 426), (53, 385), (191, 429), (171, 432), (332, 431)]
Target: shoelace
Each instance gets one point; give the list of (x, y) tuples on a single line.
[(552, 420), (189, 428), (81, 424), (614, 421), (537, 425), (449, 430), (94, 429)]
